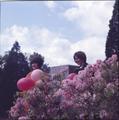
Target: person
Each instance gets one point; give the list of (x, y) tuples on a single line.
[(81, 60), (35, 63)]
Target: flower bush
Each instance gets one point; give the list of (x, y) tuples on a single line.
[(91, 95)]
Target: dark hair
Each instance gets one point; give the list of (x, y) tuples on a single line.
[(81, 55), (38, 60)]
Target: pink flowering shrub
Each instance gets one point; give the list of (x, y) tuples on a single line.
[(93, 94)]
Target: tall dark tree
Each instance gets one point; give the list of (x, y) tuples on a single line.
[(112, 43), (15, 67), (1, 64)]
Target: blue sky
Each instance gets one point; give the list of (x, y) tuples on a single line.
[(56, 29), (30, 13)]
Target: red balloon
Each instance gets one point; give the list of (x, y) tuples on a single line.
[(71, 76), (25, 84)]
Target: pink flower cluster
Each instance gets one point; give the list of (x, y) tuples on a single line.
[(20, 107), (91, 94)]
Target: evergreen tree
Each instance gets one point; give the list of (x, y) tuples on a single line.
[(1, 64), (112, 43), (15, 67)]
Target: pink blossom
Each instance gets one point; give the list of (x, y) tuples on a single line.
[(103, 114), (23, 118)]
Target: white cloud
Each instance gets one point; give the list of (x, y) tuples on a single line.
[(50, 4), (56, 49), (94, 48), (41, 40), (90, 16), (12, 34)]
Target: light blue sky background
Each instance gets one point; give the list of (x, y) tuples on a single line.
[(56, 29), (30, 13)]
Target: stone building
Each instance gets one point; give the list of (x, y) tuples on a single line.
[(61, 72)]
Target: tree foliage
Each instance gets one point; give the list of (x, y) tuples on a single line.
[(13, 66), (112, 43)]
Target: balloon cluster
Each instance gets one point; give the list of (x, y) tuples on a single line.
[(30, 80)]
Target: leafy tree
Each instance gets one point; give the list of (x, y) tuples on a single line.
[(15, 67), (112, 43), (46, 68)]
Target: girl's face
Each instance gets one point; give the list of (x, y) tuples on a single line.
[(34, 66), (77, 60)]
